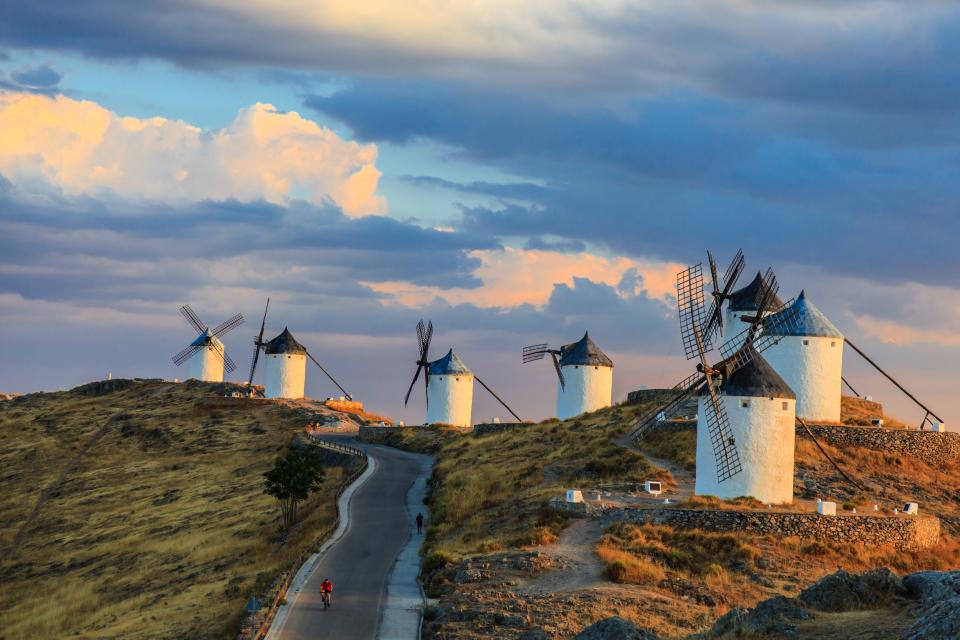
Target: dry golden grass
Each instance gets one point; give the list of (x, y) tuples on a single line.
[(678, 444), (491, 491), (740, 569), (162, 530)]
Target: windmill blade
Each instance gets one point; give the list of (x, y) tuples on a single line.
[(257, 344), (181, 357), (429, 337), (713, 270), (227, 325), (416, 375), (327, 373), (228, 364), (772, 328), (490, 391), (556, 365), (192, 318), (534, 352), (253, 364), (769, 292), (721, 437), (714, 315), (690, 308), (683, 390), (421, 336)]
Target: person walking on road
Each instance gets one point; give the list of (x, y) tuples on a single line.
[(420, 523), (326, 592)]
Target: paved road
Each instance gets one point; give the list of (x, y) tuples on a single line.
[(360, 562)]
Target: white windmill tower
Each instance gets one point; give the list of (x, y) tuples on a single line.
[(584, 375), (206, 357), (286, 367), (286, 364), (809, 357), (448, 384), (450, 391), (761, 414), (746, 412)]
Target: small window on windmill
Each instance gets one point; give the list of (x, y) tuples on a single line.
[(744, 404), (806, 342), (457, 379), (833, 343), (785, 405)]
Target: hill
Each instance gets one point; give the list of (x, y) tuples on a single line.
[(502, 564), (135, 509)]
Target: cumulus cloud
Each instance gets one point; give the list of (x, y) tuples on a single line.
[(511, 277), (80, 148)]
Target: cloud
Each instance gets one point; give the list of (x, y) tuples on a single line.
[(80, 148), (511, 277), (603, 45), (41, 78)]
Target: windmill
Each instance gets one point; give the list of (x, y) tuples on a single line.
[(207, 356), (448, 382), (738, 352), (286, 364), (587, 384)]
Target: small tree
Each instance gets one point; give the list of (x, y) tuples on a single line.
[(293, 478)]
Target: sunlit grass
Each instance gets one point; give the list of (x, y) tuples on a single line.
[(162, 530)]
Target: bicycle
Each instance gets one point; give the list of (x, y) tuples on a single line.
[(325, 597)]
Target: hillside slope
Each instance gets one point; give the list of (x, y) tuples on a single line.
[(160, 527), (502, 565)]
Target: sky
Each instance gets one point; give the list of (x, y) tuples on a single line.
[(514, 172)]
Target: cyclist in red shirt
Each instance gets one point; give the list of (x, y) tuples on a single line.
[(326, 592)]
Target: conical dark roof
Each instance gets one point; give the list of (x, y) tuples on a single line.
[(450, 365), (808, 321), (584, 352), (284, 343), (756, 379), (747, 298)]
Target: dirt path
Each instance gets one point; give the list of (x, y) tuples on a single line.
[(578, 566), (685, 480)]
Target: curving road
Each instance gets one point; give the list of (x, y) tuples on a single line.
[(360, 562)]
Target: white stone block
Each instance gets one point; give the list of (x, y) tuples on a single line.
[(827, 508), (911, 508), (574, 495), (653, 487)]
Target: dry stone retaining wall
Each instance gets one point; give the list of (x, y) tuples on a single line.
[(496, 427), (905, 532), (931, 446)]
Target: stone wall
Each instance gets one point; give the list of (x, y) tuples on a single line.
[(932, 447), (496, 427), (905, 532)]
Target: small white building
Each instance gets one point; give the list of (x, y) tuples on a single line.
[(762, 412), (206, 363), (588, 379), (809, 357), (744, 302), (286, 367), (449, 392)]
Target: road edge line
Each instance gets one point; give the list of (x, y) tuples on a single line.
[(303, 573)]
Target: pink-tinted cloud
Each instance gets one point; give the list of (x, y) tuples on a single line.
[(512, 277), (80, 148)]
